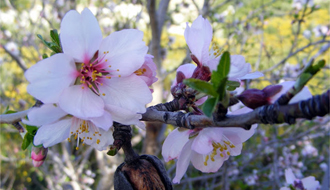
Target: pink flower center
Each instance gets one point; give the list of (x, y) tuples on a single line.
[(93, 73)]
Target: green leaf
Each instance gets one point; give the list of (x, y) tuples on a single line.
[(221, 89), (28, 139), (31, 129), (51, 45), (44, 56), (55, 37), (201, 86), (222, 69), (232, 85), (209, 106)]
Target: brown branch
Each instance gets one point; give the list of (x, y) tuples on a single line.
[(17, 59), (269, 114)]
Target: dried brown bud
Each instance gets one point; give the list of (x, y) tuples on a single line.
[(146, 173)]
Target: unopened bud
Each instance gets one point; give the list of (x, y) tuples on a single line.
[(202, 73), (148, 172), (38, 155), (254, 98)]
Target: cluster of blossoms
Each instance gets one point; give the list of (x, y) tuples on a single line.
[(208, 148), (93, 83), (97, 81), (307, 183)]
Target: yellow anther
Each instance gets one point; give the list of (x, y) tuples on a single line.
[(75, 137), (77, 148), (117, 69), (109, 65), (104, 52), (221, 154), (144, 70), (206, 159), (103, 94), (90, 85), (232, 146), (106, 60), (82, 87), (228, 153), (82, 140), (108, 77), (101, 84), (90, 138), (83, 77), (71, 132), (87, 137), (90, 65), (83, 144), (93, 134), (119, 75), (97, 141)]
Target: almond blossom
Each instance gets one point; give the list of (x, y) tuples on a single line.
[(147, 72), (307, 183), (206, 148), (92, 83), (199, 37)]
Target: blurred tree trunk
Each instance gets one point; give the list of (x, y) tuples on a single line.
[(157, 19)]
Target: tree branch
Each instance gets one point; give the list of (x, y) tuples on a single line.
[(269, 114), (18, 59)]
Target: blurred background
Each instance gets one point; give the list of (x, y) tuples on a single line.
[(277, 37)]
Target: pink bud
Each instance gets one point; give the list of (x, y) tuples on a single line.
[(38, 155), (254, 98)]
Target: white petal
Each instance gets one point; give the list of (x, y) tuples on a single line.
[(126, 51), (124, 116), (198, 38), (183, 162), (54, 133), (202, 144), (81, 103), (212, 166), (304, 94), (49, 77), (289, 176), (130, 92), (47, 113), (238, 67), (104, 121), (252, 75), (80, 35), (310, 183), (174, 143), (187, 70)]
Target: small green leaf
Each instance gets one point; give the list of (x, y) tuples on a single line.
[(209, 106), (232, 85), (201, 86), (55, 37), (44, 56), (221, 90), (222, 69), (31, 129), (28, 139)]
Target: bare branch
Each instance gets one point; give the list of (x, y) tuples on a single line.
[(18, 59)]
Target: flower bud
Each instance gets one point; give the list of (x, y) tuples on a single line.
[(254, 98), (148, 172), (38, 155)]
